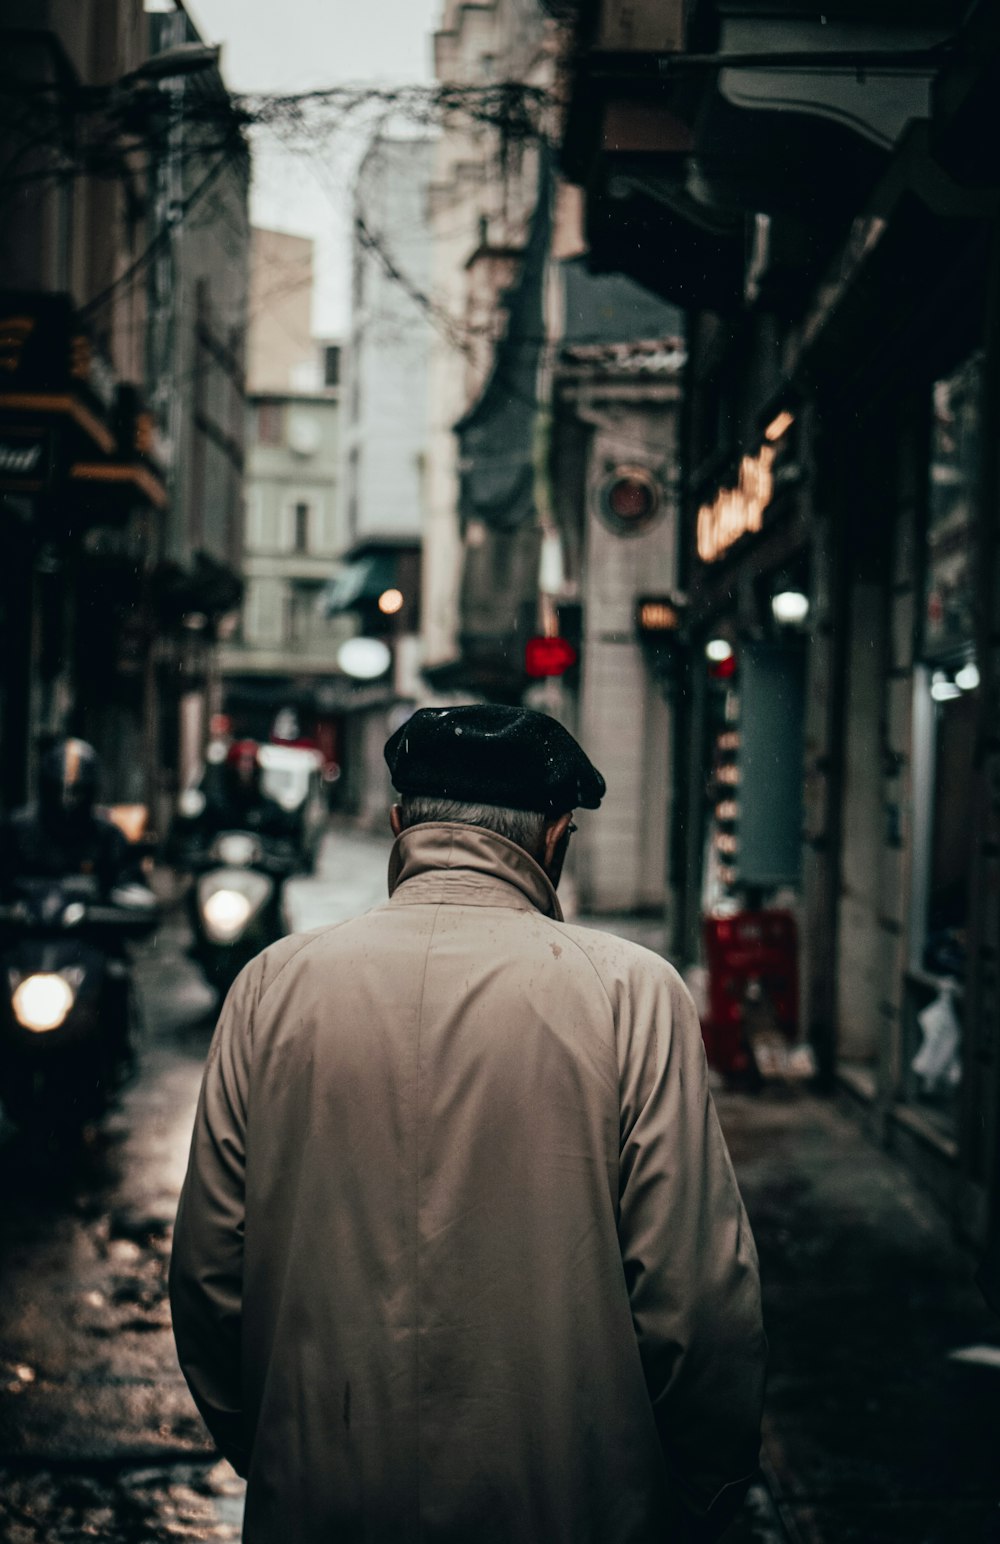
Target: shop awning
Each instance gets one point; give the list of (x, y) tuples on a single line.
[(361, 583)]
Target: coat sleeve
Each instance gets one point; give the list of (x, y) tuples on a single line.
[(689, 1258), (206, 1264)]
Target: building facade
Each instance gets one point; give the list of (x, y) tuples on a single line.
[(197, 346), (613, 468), (822, 187), (121, 395), (279, 666), (555, 404), (383, 489), (483, 196), (281, 347)]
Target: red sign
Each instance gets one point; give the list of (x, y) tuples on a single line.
[(548, 657), (758, 948)]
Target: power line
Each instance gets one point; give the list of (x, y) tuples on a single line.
[(159, 241)]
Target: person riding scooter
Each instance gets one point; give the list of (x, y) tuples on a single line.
[(235, 799), (72, 895), (63, 833)]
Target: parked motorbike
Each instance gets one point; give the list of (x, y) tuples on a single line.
[(237, 901), (68, 1015)]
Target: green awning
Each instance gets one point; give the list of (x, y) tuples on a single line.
[(360, 584)]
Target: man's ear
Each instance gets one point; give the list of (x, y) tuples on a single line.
[(554, 834), (396, 819)]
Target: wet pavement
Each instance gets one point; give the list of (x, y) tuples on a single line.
[(98, 1434), (884, 1379), (875, 1432)]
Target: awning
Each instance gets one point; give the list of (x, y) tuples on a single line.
[(51, 372), (64, 417), (360, 584)]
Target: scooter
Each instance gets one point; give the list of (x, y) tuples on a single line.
[(236, 902), (68, 1013)]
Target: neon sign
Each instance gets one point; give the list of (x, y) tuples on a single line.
[(736, 511)]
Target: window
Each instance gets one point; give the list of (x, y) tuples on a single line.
[(358, 276), (331, 365), (301, 538), (255, 538), (305, 622), (353, 478), (355, 374), (270, 423), (264, 613)]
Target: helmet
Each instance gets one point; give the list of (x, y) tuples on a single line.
[(67, 780)]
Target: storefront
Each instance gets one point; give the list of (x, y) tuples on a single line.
[(750, 612), (915, 944), (81, 496), (946, 704)]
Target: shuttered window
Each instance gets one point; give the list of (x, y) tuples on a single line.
[(255, 538), (264, 612)]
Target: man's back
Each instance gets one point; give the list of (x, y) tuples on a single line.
[(473, 1252)]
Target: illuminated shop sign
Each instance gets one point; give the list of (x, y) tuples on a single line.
[(25, 460), (736, 511), (657, 614)]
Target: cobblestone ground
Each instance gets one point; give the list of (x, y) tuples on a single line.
[(98, 1434)]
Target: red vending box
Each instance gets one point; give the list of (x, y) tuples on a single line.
[(751, 956)]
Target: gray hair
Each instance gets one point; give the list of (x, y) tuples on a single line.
[(526, 828)]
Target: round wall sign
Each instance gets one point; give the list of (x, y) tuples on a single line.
[(629, 499)]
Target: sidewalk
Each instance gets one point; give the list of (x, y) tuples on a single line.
[(875, 1431)]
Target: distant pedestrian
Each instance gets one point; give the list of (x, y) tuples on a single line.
[(460, 1255)]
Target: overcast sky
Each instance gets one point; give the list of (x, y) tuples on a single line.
[(299, 45)]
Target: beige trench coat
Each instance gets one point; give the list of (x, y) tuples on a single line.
[(460, 1255)]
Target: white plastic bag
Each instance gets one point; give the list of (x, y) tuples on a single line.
[(938, 1063)]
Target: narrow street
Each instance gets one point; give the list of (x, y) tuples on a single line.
[(885, 1364), (98, 1434)]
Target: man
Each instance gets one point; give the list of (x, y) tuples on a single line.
[(64, 834), (240, 802), (460, 1255)]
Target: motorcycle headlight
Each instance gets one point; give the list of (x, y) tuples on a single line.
[(226, 912), (191, 803), (42, 1002), (237, 849), (228, 900)]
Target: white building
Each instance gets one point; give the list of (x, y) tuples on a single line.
[(284, 652), (383, 501), (385, 420)]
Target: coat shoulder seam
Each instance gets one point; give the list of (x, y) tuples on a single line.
[(307, 942), (551, 922)]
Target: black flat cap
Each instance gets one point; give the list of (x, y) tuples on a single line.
[(491, 754)]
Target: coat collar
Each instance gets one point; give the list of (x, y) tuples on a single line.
[(467, 865)]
